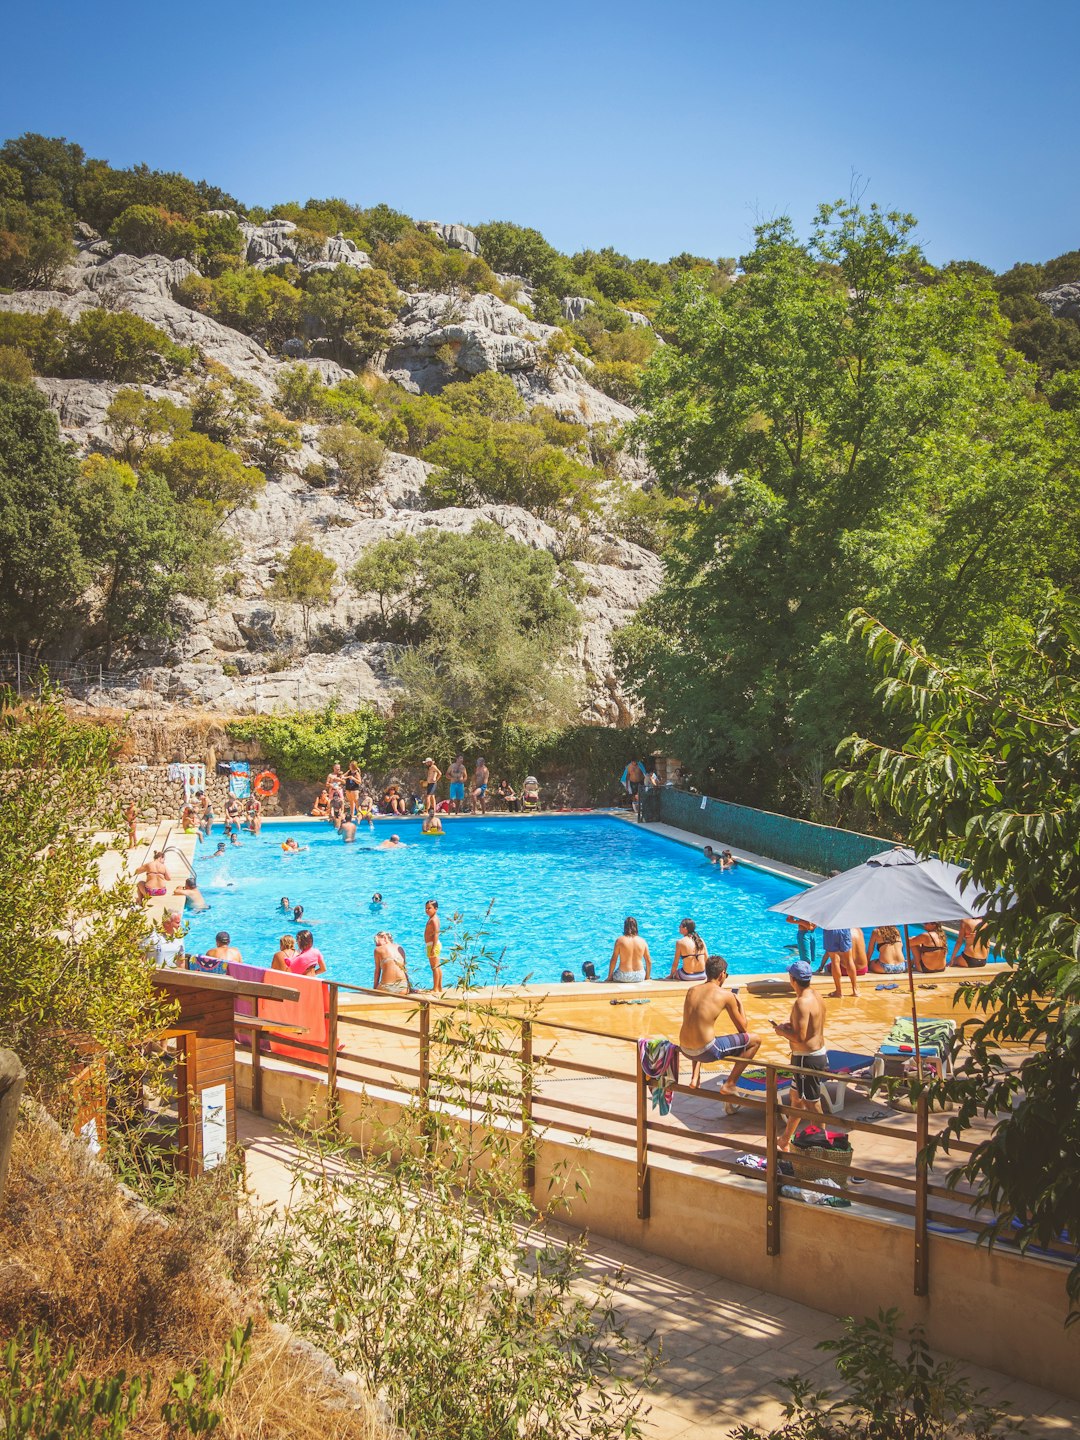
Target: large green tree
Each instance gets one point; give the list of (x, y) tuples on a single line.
[(488, 622), (851, 429), (43, 572), (144, 549), (986, 773), (350, 312)]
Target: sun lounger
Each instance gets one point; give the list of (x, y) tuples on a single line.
[(937, 1038), (844, 1062)]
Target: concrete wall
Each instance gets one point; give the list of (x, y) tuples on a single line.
[(988, 1308), (820, 848)]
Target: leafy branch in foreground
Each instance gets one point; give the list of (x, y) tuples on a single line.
[(889, 1397), (424, 1266), (42, 1398), (76, 982), (989, 777)]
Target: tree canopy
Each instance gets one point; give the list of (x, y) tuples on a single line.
[(487, 622), (985, 771), (850, 428)]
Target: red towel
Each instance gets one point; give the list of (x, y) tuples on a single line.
[(309, 1011)]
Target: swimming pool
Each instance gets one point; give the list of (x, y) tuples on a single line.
[(550, 892)]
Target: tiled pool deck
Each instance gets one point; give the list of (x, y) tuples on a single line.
[(725, 1346)]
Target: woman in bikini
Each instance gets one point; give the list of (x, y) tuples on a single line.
[(928, 950), (890, 953), (285, 953), (390, 971), (971, 951), (691, 953)]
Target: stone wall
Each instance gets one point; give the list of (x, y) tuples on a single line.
[(157, 797)]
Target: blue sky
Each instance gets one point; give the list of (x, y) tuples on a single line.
[(654, 128)]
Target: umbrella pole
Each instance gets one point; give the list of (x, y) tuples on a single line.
[(914, 1006)]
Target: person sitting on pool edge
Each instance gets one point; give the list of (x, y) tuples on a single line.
[(890, 953), (390, 972), (971, 950), (508, 795), (690, 954), (631, 963), (321, 807), (929, 950), (698, 1040)]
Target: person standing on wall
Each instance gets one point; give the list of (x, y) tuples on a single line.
[(457, 775), (480, 785), (432, 776), (635, 779)]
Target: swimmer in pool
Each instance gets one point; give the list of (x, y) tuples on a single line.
[(394, 843), (348, 832), (286, 903), (376, 901)]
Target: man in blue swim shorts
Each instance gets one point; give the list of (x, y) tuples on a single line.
[(698, 1040), (837, 947), (456, 775)]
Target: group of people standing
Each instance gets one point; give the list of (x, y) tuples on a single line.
[(346, 798)]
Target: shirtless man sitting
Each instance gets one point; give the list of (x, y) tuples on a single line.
[(631, 962), (390, 973), (698, 1040), (971, 950), (155, 878), (805, 1033)]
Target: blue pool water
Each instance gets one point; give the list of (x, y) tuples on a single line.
[(550, 892)]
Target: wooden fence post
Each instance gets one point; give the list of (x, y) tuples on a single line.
[(922, 1181), (331, 1054), (642, 1144), (12, 1080), (772, 1199), (527, 1142)]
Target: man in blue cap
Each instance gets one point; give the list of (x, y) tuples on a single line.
[(805, 1033)]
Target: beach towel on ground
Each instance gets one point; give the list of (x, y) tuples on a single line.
[(660, 1063)]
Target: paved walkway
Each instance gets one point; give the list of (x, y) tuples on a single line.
[(725, 1345)]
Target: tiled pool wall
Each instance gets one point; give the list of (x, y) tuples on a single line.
[(820, 848)]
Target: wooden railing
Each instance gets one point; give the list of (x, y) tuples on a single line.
[(343, 1059)]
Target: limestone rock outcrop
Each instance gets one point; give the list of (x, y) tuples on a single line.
[(275, 242), (144, 286), (438, 335), (1063, 301), (456, 236)]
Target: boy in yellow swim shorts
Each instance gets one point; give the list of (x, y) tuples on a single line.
[(433, 944)]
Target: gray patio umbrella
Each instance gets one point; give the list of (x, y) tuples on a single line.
[(893, 888)]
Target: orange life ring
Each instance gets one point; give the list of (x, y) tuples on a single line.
[(266, 784)]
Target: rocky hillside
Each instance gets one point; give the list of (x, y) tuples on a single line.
[(244, 651)]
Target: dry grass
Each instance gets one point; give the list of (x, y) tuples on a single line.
[(134, 1291)]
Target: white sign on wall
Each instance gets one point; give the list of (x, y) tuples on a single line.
[(215, 1132)]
